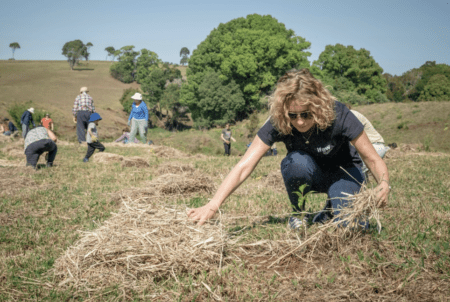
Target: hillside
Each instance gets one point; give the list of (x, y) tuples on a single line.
[(52, 86)]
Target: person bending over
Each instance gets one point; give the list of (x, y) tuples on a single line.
[(37, 141), (318, 132)]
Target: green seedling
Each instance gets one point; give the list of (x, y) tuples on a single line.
[(303, 198)]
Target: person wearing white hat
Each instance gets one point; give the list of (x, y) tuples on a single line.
[(25, 120), (82, 109), (138, 118)]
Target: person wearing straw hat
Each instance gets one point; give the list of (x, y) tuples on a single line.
[(25, 120), (38, 141), (138, 118), (82, 109), (92, 136), (47, 122), (319, 133)]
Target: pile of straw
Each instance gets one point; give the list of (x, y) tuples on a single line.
[(14, 151), (135, 161), (174, 168), (105, 157), (167, 152), (141, 243), (149, 240)]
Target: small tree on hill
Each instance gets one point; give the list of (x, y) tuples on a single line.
[(110, 50), (86, 50), (14, 46), (73, 50), (184, 53)]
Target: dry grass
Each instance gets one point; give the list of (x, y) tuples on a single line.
[(142, 243), (174, 168), (149, 240), (134, 161)]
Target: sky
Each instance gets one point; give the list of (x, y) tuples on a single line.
[(400, 34)]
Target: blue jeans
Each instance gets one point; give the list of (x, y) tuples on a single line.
[(300, 168)]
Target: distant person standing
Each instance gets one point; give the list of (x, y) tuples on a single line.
[(138, 118), (47, 122), (226, 136), (38, 141), (82, 109), (25, 120)]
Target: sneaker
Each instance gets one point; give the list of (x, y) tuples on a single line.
[(150, 142), (49, 165), (295, 223), (85, 160)]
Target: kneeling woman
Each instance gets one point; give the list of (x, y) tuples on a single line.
[(318, 132)]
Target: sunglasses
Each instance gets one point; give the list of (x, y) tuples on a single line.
[(303, 115)]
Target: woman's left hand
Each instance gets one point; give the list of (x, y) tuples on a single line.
[(383, 191)]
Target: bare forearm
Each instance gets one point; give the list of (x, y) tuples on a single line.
[(378, 169)]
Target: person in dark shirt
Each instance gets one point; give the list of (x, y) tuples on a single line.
[(8, 128), (319, 133)]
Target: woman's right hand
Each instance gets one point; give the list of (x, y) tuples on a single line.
[(129, 123), (202, 214)]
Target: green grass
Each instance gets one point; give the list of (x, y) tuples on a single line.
[(42, 213)]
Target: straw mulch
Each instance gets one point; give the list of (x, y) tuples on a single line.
[(142, 243), (14, 150), (134, 161), (149, 240), (10, 163), (167, 152), (174, 168)]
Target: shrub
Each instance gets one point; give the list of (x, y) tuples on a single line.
[(126, 100), (16, 111)]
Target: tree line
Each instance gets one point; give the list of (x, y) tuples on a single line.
[(233, 70)]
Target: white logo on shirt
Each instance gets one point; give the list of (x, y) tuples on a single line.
[(324, 150)]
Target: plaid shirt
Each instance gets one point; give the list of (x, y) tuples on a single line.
[(83, 102)]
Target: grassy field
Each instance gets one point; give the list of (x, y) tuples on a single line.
[(46, 213)]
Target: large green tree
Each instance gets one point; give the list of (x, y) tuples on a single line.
[(346, 68), (145, 63), (73, 50), (253, 52), (124, 68), (220, 101), (437, 89), (428, 71), (14, 46)]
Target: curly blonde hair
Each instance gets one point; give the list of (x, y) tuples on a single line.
[(301, 86)]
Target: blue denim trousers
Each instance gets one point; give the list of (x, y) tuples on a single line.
[(300, 168)]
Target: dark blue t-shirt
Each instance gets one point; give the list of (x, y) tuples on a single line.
[(330, 148), (11, 127)]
